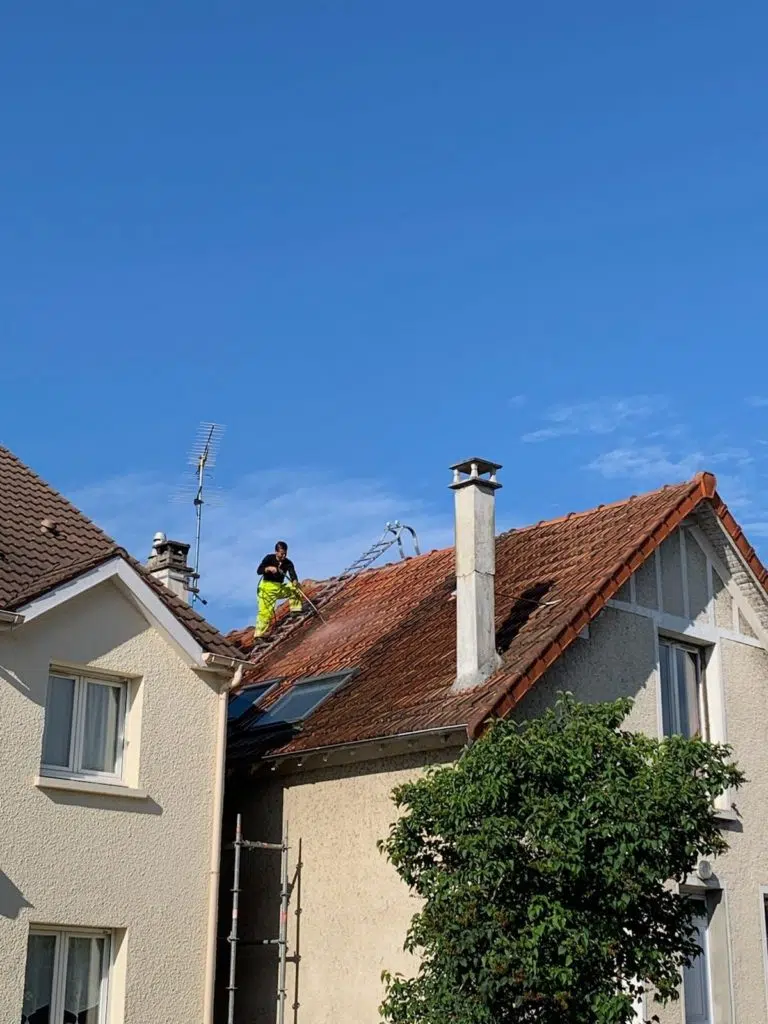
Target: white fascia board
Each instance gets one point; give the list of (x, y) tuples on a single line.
[(137, 589)]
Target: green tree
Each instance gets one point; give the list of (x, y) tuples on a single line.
[(543, 858)]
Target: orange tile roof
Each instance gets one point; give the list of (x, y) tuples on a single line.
[(396, 624), (34, 561)]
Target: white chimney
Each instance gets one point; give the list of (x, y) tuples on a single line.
[(168, 563), (474, 486)]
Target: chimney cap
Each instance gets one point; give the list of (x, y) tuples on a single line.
[(474, 470), (483, 466)]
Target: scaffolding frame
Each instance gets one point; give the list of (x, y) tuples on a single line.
[(281, 941)]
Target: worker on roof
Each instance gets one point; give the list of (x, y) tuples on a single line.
[(273, 569)]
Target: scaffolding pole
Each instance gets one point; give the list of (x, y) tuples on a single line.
[(231, 988), (281, 941), (283, 929)]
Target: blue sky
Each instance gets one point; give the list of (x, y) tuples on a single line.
[(372, 240)]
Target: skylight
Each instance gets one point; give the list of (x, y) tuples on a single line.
[(304, 697), (247, 698)]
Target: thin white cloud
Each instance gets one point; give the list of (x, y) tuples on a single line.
[(655, 464), (327, 521), (517, 401), (604, 416), (757, 401)]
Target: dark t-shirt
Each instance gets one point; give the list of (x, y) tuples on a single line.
[(284, 568)]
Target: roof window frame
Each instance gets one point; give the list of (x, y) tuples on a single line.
[(343, 675), (252, 711)]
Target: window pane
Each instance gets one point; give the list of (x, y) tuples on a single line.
[(85, 970), (38, 983), (298, 702), (59, 708), (696, 979), (669, 718), (101, 734), (245, 700)]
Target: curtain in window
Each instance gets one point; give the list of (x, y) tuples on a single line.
[(102, 710), (679, 669), (38, 983), (688, 687), (59, 708), (85, 969)]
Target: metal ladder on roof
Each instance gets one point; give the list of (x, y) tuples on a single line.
[(393, 534)]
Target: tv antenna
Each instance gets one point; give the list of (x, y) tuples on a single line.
[(203, 457)]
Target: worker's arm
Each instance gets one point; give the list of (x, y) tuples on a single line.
[(263, 565), (290, 568)]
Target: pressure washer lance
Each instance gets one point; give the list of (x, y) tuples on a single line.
[(311, 604)]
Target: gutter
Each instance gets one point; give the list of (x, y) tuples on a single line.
[(446, 730), (10, 619), (221, 662), (218, 807)]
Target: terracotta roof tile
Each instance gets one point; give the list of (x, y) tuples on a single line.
[(34, 560), (396, 624)]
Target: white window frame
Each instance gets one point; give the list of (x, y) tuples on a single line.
[(703, 652), (74, 769), (61, 952)]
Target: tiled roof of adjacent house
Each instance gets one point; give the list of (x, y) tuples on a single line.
[(396, 624), (34, 560)]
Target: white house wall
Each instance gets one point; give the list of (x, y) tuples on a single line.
[(137, 866)]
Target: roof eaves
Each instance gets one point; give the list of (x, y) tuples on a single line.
[(201, 631), (505, 697), (284, 753), (54, 579)]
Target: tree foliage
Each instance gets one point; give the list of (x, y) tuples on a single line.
[(542, 858)]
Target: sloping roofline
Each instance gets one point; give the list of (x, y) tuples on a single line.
[(703, 487), (89, 558), (423, 701)]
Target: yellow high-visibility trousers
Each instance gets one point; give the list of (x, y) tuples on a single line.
[(269, 595)]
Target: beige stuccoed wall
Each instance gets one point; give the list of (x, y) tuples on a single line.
[(354, 910), (99, 861), (745, 868), (618, 659)]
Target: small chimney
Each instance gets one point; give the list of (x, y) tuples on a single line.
[(474, 486), (168, 563)]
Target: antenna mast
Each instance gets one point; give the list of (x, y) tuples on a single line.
[(203, 458)]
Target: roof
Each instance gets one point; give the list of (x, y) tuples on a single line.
[(396, 624), (34, 560)]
